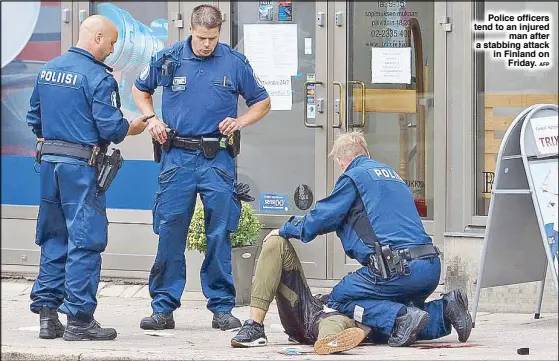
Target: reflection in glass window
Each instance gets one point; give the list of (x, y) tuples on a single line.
[(142, 32), (398, 116), (502, 93), (18, 79)]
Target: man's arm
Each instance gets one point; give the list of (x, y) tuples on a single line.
[(327, 215), (143, 100), (142, 92), (34, 113), (255, 112), (111, 124)]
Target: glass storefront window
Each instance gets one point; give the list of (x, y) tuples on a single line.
[(502, 93), (398, 119), (142, 32), (18, 78)]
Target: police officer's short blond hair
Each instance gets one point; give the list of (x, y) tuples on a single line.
[(349, 146), (207, 16)]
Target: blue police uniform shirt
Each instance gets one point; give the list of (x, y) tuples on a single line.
[(76, 99), (369, 201), (204, 90)]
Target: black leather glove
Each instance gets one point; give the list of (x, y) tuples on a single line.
[(241, 191)]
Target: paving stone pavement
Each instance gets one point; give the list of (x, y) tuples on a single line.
[(496, 336)]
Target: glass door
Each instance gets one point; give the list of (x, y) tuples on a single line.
[(384, 56), (283, 156)]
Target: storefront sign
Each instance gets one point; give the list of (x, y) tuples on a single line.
[(274, 202), (521, 234), (545, 131)]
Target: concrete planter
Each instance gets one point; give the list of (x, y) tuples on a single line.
[(243, 260)]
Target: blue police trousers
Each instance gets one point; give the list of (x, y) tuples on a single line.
[(72, 231), (184, 174), (374, 302)]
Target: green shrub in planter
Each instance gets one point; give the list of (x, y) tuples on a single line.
[(245, 235)]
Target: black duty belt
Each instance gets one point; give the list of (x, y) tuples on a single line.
[(73, 150), (424, 251), (187, 143), (106, 166), (387, 262), (208, 145)]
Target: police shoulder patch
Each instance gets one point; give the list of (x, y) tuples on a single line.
[(144, 74), (113, 99), (258, 81)]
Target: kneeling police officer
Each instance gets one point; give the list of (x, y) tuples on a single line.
[(75, 114), (371, 209)]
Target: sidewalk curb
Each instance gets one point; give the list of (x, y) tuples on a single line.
[(29, 356), (91, 355)]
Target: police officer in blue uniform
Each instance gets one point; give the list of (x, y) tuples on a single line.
[(201, 80), (373, 213), (74, 109)]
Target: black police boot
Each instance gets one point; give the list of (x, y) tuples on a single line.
[(51, 327), (455, 311), (225, 321), (158, 321), (407, 326), (250, 335), (87, 331)]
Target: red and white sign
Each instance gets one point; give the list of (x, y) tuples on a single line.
[(546, 132)]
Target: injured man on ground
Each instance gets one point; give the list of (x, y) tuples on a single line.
[(372, 211)]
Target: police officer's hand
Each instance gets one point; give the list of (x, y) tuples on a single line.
[(138, 125), (157, 130), (229, 125), (273, 232)]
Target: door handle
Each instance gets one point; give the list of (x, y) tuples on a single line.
[(339, 105), (363, 110), (309, 125)]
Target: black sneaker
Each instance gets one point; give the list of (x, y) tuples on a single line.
[(455, 311), (158, 321), (250, 335), (225, 321), (50, 325), (406, 327), (87, 331)]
